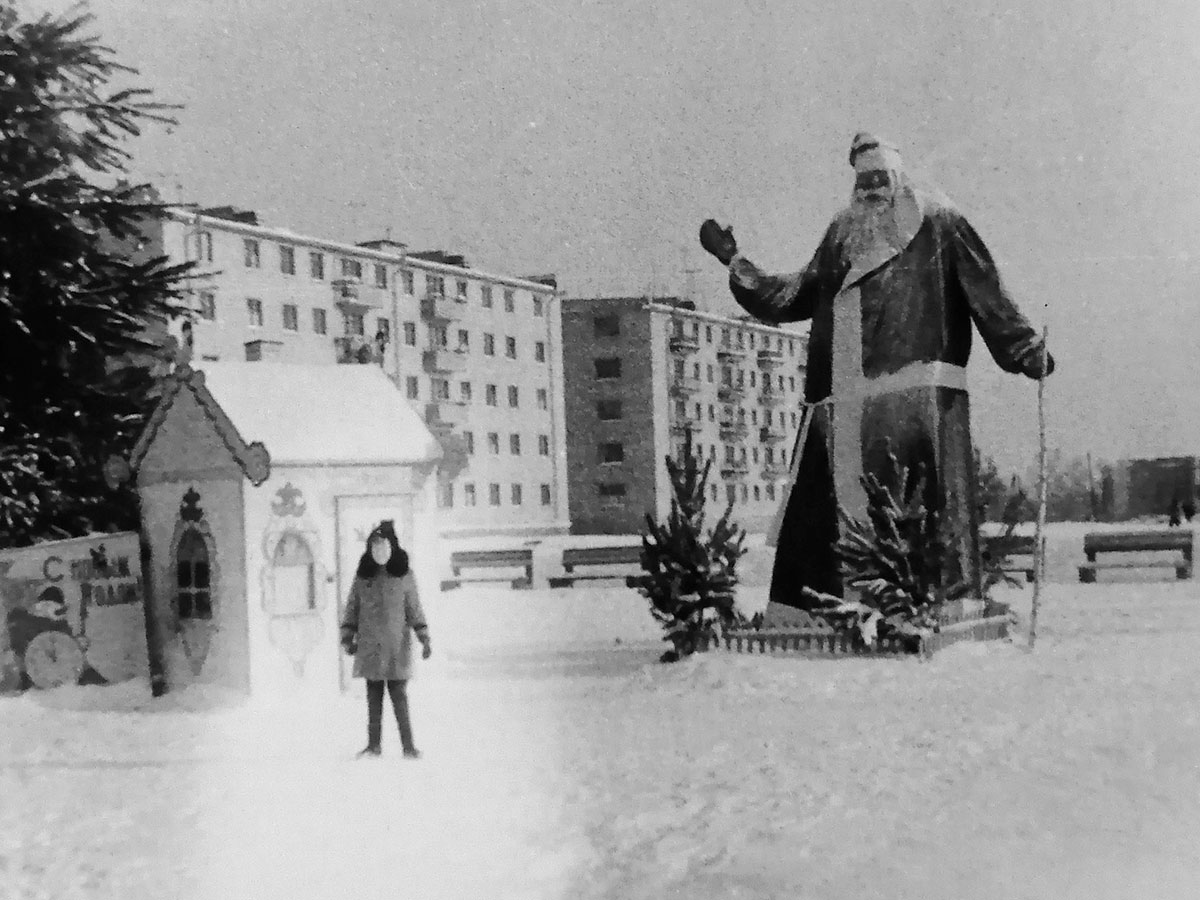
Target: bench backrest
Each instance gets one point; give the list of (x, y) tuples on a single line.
[(584, 556), (1132, 541), (1013, 545), (491, 557)]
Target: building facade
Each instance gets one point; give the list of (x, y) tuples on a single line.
[(639, 373), (478, 355)]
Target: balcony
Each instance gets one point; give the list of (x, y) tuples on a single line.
[(683, 345), (681, 423), (733, 430), (770, 359), (730, 353), (772, 398), (353, 296), (774, 471), (735, 471), (730, 393), (771, 434), (685, 386), (445, 415), (439, 307), (355, 349), (445, 360)]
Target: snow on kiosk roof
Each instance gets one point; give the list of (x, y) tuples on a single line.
[(321, 415)]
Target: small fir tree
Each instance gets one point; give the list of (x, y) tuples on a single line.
[(690, 576), (893, 558)]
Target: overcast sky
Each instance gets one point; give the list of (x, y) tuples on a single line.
[(591, 138)]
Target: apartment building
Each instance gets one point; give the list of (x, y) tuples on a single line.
[(642, 371), (478, 355)]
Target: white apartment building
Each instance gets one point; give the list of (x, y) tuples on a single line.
[(640, 373), (478, 355)]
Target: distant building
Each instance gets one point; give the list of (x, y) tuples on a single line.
[(1137, 488), (478, 355), (640, 371)]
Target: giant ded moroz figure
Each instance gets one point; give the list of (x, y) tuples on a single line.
[(892, 292)]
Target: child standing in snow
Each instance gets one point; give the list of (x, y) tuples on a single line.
[(382, 613)]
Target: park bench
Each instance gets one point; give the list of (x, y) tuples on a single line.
[(626, 556), (488, 560), (1170, 540), (1005, 549)]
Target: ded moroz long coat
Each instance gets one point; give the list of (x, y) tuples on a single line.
[(887, 352), (383, 612)]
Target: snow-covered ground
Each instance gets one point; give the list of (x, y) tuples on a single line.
[(562, 762)]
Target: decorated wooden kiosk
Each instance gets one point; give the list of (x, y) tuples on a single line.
[(259, 483)]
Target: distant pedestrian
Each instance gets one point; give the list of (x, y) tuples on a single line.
[(383, 612), (1189, 508), (1173, 519)]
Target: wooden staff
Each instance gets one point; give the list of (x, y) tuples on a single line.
[(1039, 557)]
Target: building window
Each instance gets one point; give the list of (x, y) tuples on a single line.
[(352, 268), (406, 280), (464, 389), (509, 300), (469, 437), (730, 493), (287, 260), (461, 288), (410, 334), (446, 495), (745, 493), (757, 497), (250, 253), (538, 307), (611, 452), (489, 345), (608, 368), (545, 495), (543, 445), (316, 265), (354, 324), (380, 276), (412, 387), (489, 395), (291, 317), (710, 373), (608, 410), (383, 329), (611, 489), (208, 306), (510, 347), (494, 494), (440, 337), (464, 340), (192, 570), (204, 244), (606, 326), (254, 310), (770, 491), (514, 396), (539, 351), (493, 442), (516, 495), (485, 294), (440, 389), (712, 491), (514, 444), (468, 495), (435, 286), (708, 340), (543, 399)]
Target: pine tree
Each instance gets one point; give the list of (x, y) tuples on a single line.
[(690, 577), (73, 300), (893, 558)]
